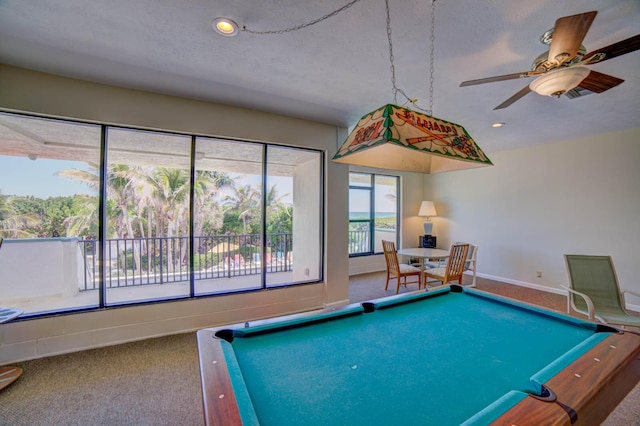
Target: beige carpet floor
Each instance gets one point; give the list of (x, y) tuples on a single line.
[(157, 381), (150, 382)]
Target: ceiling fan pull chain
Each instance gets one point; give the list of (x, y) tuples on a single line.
[(299, 27)]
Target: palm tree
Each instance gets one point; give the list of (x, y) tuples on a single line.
[(207, 211), (85, 217), (120, 196), (274, 202), (88, 211), (244, 201), (119, 193), (12, 224), (165, 193), (150, 201)]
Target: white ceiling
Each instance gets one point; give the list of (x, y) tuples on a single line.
[(337, 70)]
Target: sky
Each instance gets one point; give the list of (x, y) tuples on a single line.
[(21, 176), (359, 200), (283, 184)]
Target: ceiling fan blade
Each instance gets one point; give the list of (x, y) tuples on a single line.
[(616, 49), (514, 98), (598, 82), (568, 35), (513, 76)]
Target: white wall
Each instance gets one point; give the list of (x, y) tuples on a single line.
[(579, 196), (24, 90), (44, 266), (306, 221)]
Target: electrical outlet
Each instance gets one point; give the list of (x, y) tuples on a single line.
[(539, 274)]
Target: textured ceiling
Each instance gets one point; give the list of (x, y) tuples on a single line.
[(24, 136), (338, 69)]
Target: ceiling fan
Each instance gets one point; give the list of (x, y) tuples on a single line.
[(562, 69)]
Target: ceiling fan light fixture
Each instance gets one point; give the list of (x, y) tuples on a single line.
[(225, 27), (557, 82)]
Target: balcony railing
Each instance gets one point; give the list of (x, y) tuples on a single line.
[(159, 260), (359, 241)]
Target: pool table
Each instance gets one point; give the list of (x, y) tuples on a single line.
[(445, 356)]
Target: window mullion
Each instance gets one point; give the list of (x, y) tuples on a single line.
[(102, 217)]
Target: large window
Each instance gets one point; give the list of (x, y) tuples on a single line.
[(95, 215), (147, 215), (49, 185), (373, 212)]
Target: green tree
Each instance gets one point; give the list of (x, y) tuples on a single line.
[(232, 224), (14, 223), (279, 215), (245, 202), (281, 222), (208, 212), (86, 213), (56, 211)]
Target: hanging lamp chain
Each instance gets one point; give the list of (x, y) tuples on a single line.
[(395, 88), (393, 68), (431, 58), (305, 25)]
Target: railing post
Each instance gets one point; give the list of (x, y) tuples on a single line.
[(228, 257), (161, 264)]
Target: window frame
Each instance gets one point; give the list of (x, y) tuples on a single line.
[(103, 302), (371, 189)]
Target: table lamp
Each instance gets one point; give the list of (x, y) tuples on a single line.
[(427, 209)]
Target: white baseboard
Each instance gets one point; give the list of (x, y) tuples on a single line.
[(634, 308), (364, 269), (555, 290), (337, 304), (524, 284)]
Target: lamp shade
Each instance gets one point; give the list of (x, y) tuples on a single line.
[(427, 209), (397, 138), (557, 82)]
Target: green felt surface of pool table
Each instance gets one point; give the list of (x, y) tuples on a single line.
[(439, 358)]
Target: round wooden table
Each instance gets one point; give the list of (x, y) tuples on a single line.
[(424, 254)]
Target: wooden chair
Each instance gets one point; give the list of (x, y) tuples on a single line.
[(594, 290), (398, 270), (469, 265), (455, 266)]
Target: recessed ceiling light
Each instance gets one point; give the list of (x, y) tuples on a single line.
[(498, 124), (225, 27)]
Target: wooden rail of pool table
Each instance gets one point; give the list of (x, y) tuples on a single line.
[(216, 383), (599, 389), (592, 386)]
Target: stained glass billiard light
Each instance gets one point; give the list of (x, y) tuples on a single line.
[(398, 138)]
